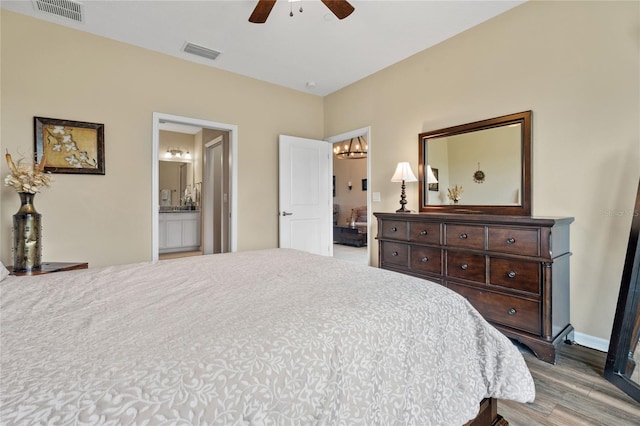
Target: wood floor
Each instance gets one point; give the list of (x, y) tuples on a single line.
[(179, 254), (573, 392)]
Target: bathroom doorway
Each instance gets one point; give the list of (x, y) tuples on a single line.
[(222, 229)]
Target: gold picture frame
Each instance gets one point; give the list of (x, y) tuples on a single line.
[(69, 146)]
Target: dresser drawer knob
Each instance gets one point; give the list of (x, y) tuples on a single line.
[(464, 266), (424, 259), (511, 274), (463, 236), (394, 229), (512, 311), (423, 232), (395, 253), (511, 240)]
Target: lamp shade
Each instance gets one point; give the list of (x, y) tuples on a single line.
[(404, 173), (431, 178)]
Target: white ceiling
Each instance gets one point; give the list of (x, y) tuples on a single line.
[(312, 51)]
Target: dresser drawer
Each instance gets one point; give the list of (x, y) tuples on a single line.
[(514, 240), (395, 254), (395, 229), (506, 310), (426, 259), (428, 233), (466, 236), (515, 274), (466, 266)]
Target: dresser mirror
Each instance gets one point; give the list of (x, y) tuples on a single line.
[(622, 366), (480, 167)]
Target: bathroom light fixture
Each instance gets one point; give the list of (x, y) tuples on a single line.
[(353, 149), (177, 152), (403, 174)]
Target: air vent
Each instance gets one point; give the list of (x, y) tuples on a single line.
[(65, 8), (201, 51)]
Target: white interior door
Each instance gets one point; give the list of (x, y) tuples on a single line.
[(305, 195)]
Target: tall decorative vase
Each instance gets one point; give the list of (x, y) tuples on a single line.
[(27, 240)]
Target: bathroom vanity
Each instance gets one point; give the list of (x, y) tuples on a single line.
[(179, 231)]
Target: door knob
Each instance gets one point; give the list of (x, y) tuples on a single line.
[(286, 214)]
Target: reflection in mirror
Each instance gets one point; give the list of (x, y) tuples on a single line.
[(622, 367), (176, 170), (175, 179), (482, 167), (486, 161)]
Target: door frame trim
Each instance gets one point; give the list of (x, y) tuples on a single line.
[(159, 117)]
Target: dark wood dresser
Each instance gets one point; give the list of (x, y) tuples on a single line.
[(513, 269)]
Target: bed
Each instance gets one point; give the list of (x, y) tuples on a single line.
[(266, 337)]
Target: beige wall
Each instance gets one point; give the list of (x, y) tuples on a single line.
[(51, 71), (576, 65)]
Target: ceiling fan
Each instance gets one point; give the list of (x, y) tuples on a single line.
[(340, 8)]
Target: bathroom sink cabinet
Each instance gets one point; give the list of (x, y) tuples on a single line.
[(179, 231)]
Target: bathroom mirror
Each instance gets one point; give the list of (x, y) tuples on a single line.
[(621, 366), (174, 178), (481, 167)]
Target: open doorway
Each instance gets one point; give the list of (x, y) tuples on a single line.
[(351, 207), (216, 176)]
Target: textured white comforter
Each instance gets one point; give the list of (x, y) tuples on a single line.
[(271, 337)]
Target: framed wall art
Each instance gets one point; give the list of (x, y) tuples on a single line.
[(69, 146)]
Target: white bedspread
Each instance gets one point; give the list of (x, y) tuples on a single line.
[(270, 337)]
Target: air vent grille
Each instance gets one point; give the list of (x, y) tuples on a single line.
[(201, 51), (64, 8)]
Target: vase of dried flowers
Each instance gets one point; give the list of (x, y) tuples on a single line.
[(26, 179), (455, 193), (27, 238)]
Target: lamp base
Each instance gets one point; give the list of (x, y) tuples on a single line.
[(403, 201)]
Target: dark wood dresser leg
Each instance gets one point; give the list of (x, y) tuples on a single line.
[(488, 415)]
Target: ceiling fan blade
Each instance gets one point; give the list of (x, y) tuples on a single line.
[(340, 8), (262, 11)]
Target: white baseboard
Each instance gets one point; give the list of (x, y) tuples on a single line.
[(592, 342)]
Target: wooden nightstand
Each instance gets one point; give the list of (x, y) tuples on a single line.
[(50, 267)]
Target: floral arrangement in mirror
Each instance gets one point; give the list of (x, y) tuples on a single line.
[(455, 193), (26, 177)]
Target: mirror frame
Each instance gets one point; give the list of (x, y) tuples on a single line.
[(627, 319), (524, 209)]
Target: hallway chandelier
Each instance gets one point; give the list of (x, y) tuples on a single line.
[(353, 149)]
